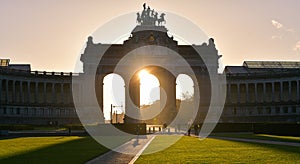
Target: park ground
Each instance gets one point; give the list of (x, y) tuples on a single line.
[(189, 149)]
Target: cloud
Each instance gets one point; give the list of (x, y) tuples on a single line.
[(277, 36), (276, 24), (282, 31), (297, 46)]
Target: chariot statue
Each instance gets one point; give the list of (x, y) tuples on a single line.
[(149, 17)]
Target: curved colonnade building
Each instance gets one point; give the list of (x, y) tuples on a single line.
[(32, 97), (257, 92), (263, 91)]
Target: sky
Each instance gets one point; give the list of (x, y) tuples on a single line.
[(49, 34)]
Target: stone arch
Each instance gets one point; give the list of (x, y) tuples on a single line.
[(113, 94), (167, 83), (184, 80)]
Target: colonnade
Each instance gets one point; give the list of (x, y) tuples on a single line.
[(41, 92), (263, 91), (256, 100)]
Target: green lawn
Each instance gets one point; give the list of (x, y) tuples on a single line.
[(187, 150), (259, 136), (192, 150), (49, 150)]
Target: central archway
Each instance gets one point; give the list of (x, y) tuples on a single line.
[(167, 95)]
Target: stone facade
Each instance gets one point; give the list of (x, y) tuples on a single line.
[(268, 92), (263, 92)]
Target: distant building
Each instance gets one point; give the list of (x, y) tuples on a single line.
[(263, 91), (34, 97)]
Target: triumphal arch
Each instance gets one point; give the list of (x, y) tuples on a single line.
[(150, 47)]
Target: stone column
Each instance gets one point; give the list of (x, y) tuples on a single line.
[(255, 92), (264, 92), (21, 92), (45, 92), (132, 99), (6, 90), (13, 91), (62, 92), (281, 91), (229, 92), (247, 92), (169, 111), (238, 93), (36, 92), (1, 91), (53, 93), (290, 90), (28, 92), (273, 91), (168, 83), (99, 90), (298, 95)]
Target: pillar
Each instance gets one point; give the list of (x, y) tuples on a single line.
[(53, 93), (297, 91), (281, 91), (36, 92), (247, 92), (62, 92), (238, 93), (290, 90), (273, 91), (28, 92), (99, 90), (1, 91), (264, 92), (168, 83), (45, 92), (13, 91), (21, 92), (132, 99), (6, 91), (255, 91), (229, 92)]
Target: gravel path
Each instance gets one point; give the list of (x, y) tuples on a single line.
[(133, 148)]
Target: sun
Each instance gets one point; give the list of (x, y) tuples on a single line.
[(143, 73), (149, 87)]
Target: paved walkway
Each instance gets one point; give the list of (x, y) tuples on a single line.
[(259, 141), (134, 149)]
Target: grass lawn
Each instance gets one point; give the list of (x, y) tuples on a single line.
[(192, 150), (259, 136), (71, 149)]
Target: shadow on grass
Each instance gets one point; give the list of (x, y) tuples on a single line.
[(75, 151), (193, 150), (259, 136), (281, 148)]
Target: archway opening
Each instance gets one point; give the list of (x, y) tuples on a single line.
[(113, 98), (184, 87), (185, 103), (149, 89)]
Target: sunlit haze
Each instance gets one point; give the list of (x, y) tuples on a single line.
[(50, 34)]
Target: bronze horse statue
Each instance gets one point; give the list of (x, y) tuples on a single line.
[(161, 19)]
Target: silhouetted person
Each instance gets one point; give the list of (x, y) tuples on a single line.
[(137, 129), (189, 132), (196, 129)]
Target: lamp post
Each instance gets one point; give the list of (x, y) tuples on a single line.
[(111, 112)]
